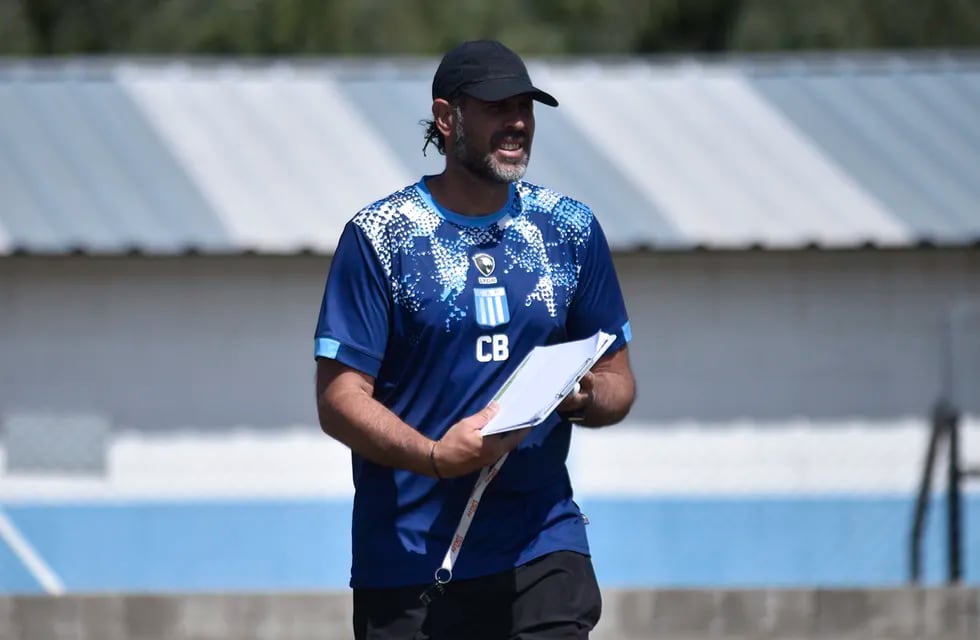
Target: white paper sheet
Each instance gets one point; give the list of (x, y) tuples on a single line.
[(542, 381)]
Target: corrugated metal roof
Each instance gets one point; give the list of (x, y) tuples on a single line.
[(910, 138), (167, 156), (81, 168)]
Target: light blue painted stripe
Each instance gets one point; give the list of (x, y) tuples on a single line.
[(769, 542), (12, 538), (325, 348), (14, 575), (655, 542), (276, 545)]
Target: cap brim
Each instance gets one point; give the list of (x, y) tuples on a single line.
[(503, 88)]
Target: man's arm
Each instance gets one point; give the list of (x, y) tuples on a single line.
[(349, 413), (607, 391)]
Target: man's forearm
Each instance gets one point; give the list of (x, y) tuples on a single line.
[(371, 430)]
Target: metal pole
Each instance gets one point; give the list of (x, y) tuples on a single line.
[(936, 433), (954, 500)]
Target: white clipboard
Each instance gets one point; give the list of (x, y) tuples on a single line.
[(542, 380)]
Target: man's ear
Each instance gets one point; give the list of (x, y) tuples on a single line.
[(444, 116)]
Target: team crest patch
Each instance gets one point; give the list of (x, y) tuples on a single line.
[(491, 307), (484, 264)]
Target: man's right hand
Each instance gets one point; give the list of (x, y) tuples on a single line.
[(463, 450)]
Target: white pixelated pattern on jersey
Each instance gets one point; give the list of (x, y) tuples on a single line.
[(426, 257)]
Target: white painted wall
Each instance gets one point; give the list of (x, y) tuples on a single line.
[(221, 342)]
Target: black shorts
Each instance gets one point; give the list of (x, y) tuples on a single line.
[(554, 596)]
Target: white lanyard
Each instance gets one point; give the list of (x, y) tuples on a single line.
[(445, 572)]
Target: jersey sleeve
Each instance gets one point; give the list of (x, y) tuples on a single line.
[(354, 315), (598, 301)]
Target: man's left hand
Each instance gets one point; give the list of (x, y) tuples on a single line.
[(579, 400)]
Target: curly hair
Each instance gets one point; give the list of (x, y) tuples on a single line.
[(432, 134)]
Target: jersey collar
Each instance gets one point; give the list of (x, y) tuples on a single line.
[(463, 220)]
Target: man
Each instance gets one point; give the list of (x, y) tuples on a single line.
[(434, 296)]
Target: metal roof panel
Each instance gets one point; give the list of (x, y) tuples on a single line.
[(284, 159), (114, 155), (900, 152), (80, 168)]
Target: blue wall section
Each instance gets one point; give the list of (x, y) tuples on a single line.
[(293, 545), (191, 546), (14, 576), (761, 542)]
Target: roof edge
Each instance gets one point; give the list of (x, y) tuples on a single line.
[(105, 67)]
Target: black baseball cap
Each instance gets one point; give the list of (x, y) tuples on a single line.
[(485, 70)]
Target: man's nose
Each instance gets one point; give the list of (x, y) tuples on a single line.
[(516, 118), (516, 122)]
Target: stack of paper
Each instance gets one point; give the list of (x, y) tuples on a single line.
[(542, 381)]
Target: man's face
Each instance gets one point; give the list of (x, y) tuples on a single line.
[(493, 139)]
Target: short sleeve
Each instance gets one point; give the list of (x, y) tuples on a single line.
[(598, 301), (355, 312)]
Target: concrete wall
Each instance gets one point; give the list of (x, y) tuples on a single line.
[(900, 614), (770, 336), (219, 342)]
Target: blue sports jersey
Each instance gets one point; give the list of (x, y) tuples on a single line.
[(440, 308)]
